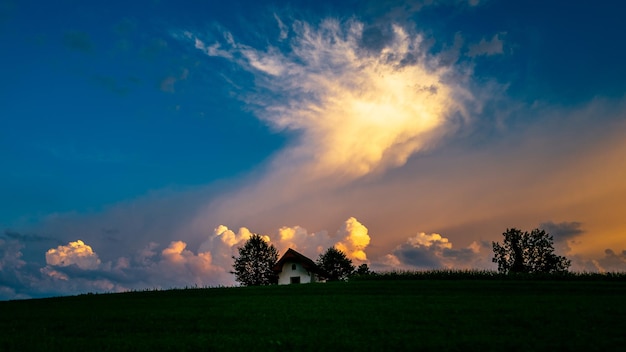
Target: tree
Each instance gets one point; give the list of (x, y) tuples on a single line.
[(254, 265), (524, 252), (363, 270), (336, 264)]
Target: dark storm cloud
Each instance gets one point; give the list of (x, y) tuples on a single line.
[(563, 231), (461, 256), (419, 257), (432, 251)]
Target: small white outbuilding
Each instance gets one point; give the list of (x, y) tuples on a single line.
[(295, 268)]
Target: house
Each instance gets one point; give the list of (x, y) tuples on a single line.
[(295, 268)]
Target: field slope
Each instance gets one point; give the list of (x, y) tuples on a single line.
[(436, 315)]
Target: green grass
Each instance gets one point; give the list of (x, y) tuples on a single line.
[(371, 315), (451, 274)]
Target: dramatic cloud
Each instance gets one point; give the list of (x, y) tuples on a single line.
[(355, 240), (77, 268), (363, 99), (222, 244), (74, 253), (352, 238), (356, 111), (231, 239), (300, 239), (380, 122), (180, 263), (357, 101)]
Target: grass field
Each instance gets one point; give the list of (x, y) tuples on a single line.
[(370, 315)]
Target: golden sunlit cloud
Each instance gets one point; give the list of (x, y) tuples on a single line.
[(355, 108), (300, 239), (229, 237), (176, 257), (355, 240), (352, 238), (358, 110), (77, 253)]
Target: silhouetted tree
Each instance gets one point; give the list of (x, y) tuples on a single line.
[(363, 269), (336, 264), (528, 252), (254, 265)]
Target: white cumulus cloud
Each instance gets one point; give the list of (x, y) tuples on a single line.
[(222, 243), (178, 262), (74, 253)]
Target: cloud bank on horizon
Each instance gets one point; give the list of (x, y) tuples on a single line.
[(403, 141), (76, 267)]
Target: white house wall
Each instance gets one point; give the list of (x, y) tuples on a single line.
[(284, 278)]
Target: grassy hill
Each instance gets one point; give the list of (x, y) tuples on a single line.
[(429, 314)]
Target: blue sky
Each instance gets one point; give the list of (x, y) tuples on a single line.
[(99, 111), (142, 142)]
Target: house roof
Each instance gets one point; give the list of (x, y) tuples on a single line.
[(295, 257)]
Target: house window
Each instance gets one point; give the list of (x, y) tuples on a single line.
[(293, 266), (294, 279)]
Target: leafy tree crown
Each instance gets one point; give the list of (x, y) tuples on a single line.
[(528, 252), (254, 265), (336, 264), (363, 270)]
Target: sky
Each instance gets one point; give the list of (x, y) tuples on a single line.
[(143, 142)]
